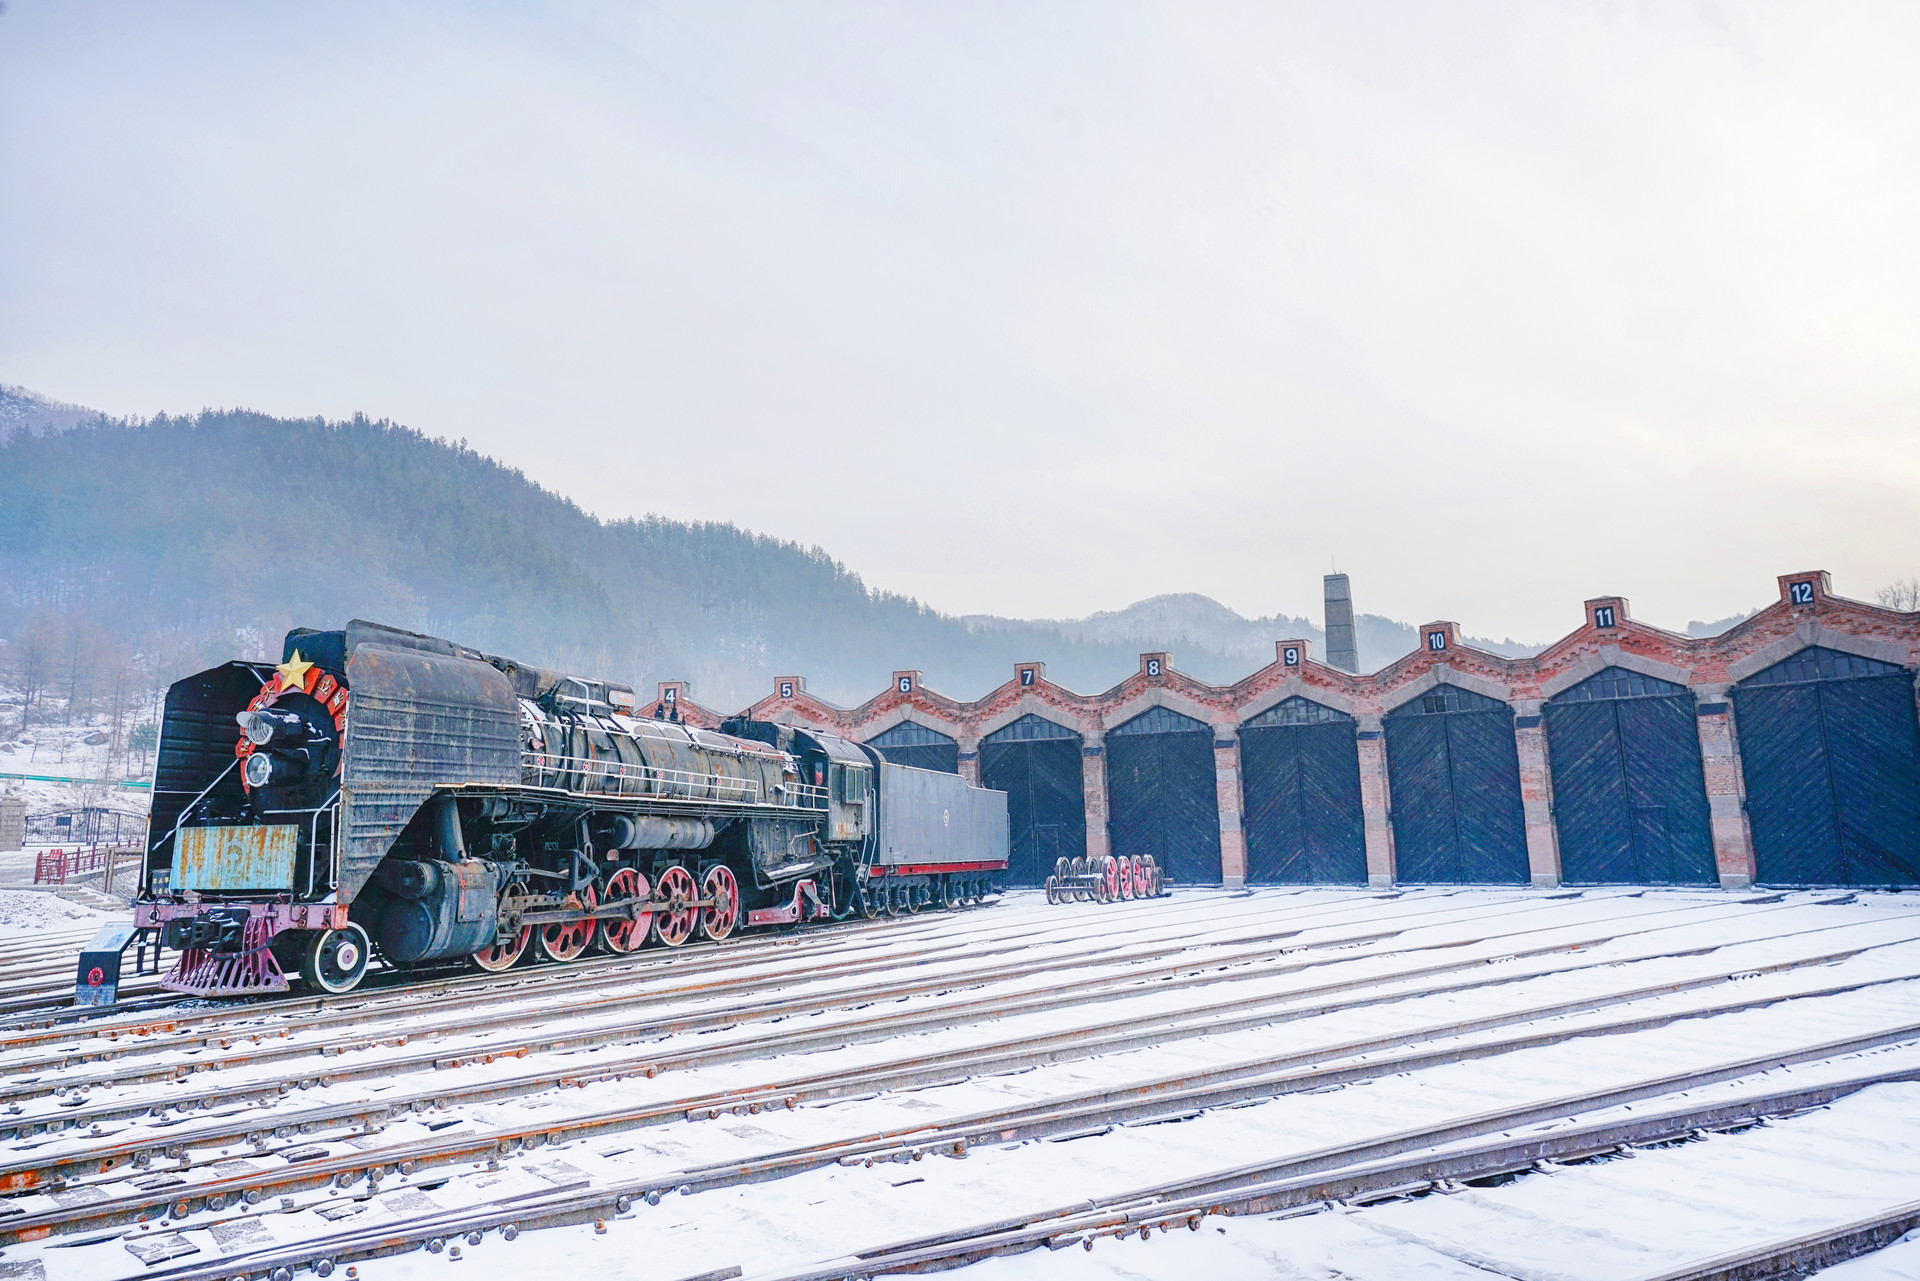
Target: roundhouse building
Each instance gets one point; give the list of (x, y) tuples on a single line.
[(1785, 751)]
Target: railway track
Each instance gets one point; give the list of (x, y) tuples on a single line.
[(1457, 979)]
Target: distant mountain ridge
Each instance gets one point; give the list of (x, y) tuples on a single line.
[(29, 413), (198, 538), (1187, 621)]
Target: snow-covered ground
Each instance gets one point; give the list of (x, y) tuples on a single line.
[(1453, 974), (27, 914), (83, 749)]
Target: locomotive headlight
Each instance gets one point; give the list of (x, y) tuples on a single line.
[(265, 726), (274, 769), (259, 767)]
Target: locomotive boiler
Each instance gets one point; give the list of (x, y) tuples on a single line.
[(384, 793)]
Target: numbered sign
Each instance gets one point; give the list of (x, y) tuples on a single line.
[(1436, 641), (1026, 675), (1800, 593), (1153, 667), (906, 684), (1603, 616), (1290, 656), (786, 689), (672, 694)]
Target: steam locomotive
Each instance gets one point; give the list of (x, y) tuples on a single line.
[(384, 792)]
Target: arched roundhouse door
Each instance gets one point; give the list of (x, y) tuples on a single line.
[(910, 744), (1831, 750), (1629, 797), (1161, 796), (1300, 775), (1454, 775), (1037, 764)]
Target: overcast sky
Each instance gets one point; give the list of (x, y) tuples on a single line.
[(1035, 308)]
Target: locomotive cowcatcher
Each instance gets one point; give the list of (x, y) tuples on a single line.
[(380, 792)]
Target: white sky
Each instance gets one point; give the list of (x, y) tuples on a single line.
[(1035, 308)]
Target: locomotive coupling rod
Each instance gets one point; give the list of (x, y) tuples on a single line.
[(614, 912)]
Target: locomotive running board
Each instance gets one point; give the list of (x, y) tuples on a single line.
[(790, 914)]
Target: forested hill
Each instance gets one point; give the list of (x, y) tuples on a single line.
[(184, 538)]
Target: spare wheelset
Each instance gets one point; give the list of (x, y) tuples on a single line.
[(1105, 878)]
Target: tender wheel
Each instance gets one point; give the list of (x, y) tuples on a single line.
[(867, 902), (952, 894), (568, 940), (895, 905), (916, 897), (673, 924), (719, 920), (622, 936), (335, 960), (501, 956)]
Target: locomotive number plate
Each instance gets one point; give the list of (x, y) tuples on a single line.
[(235, 858)]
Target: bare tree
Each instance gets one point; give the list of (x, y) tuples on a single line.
[(33, 663), (1901, 594)]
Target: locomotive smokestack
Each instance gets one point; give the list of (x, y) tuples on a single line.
[(1343, 651)]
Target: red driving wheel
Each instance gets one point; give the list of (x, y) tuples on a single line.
[(1126, 876), (501, 956), (629, 934), (673, 924), (1110, 874), (566, 940), (723, 892)]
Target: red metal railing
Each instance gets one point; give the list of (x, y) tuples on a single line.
[(53, 867)]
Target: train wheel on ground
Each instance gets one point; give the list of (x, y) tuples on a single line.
[(1077, 867), (719, 920), (622, 936), (1053, 891), (565, 941), (1109, 879), (1139, 877), (1153, 878), (335, 960), (1126, 877), (501, 956), (673, 924)]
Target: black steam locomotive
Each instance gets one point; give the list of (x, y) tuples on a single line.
[(383, 792)]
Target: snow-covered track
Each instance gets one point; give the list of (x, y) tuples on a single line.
[(1010, 1034)]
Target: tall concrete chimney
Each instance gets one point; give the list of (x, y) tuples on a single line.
[(1343, 651)]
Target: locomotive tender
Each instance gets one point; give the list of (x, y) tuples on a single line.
[(383, 791)]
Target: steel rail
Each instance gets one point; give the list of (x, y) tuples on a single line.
[(1184, 1095), (1360, 1183), (1056, 1226), (1190, 1021), (1790, 1256), (915, 1070), (480, 986), (732, 984), (403, 986)]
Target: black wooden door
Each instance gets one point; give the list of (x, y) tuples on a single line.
[(1300, 780), (1454, 775), (1161, 796), (909, 743), (1037, 764), (1830, 747), (1629, 796)]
